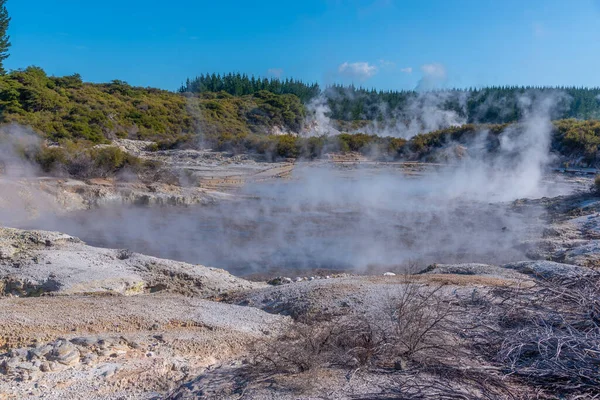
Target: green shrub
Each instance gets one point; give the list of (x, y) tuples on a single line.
[(51, 158), (287, 146)]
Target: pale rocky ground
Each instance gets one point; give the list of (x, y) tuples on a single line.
[(83, 322)]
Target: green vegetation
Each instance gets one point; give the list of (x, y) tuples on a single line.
[(4, 38), (240, 85), (75, 117), (68, 109), (578, 138), (492, 105), (81, 161)]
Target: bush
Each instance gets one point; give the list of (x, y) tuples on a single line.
[(549, 335), (412, 327), (286, 146), (50, 159), (81, 160)]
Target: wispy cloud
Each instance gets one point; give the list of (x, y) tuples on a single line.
[(357, 70), (407, 70), (275, 72), (387, 64), (434, 76)]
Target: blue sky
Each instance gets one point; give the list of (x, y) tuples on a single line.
[(385, 44)]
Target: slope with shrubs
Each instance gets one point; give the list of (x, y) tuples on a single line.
[(78, 116), (66, 108)]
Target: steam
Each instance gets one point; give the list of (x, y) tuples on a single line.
[(434, 77), (15, 142), (423, 112), (361, 219), (514, 169), (318, 123), (20, 199)]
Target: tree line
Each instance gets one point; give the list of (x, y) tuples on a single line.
[(242, 85), (498, 104)]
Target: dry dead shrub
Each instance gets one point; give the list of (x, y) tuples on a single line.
[(301, 348), (421, 321), (555, 345), (409, 327)]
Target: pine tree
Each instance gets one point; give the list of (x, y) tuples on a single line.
[(4, 38)]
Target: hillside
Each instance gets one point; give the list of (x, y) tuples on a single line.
[(77, 116), (65, 108)]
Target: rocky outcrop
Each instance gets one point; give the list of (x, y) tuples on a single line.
[(37, 262), (548, 269), (474, 269)]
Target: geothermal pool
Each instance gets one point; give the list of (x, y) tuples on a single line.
[(327, 222)]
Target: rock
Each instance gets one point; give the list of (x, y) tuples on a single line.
[(473, 269), (71, 358), (90, 358), (27, 366), (10, 364), (40, 351), (105, 344), (22, 353), (32, 375), (389, 274), (133, 344), (548, 269), (45, 367), (54, 366), (65, 353), (106, 371), (116, 353), (70, 267), (84, 341)]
